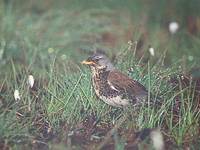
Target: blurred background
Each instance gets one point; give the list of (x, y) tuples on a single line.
[(73, 29), (47, 39)]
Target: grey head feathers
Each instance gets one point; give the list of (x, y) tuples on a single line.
[(101, 61)]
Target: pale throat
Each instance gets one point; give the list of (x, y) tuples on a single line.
[(97, 70)]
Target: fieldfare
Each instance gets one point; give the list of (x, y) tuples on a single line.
[(112, 86)]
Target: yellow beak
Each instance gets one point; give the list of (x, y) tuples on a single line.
[(85, 62)]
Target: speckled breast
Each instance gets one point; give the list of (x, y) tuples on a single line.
[(105, 92)]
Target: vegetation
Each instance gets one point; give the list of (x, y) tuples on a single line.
[(49, 39)]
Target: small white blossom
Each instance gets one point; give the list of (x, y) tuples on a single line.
[(151, 51), (16, 95), (50, 50), (30, 81), (173, 27), (157, 139), (63, 57), (190, 58), (130, 44)]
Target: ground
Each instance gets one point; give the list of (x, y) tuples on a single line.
[(49, 39)]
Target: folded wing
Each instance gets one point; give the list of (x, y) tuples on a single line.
[(121, 82)]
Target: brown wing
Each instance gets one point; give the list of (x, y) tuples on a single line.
[(122, 82)]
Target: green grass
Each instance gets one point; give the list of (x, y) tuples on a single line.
[(49, 43)]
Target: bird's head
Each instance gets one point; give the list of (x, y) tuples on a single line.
[(98, 61)]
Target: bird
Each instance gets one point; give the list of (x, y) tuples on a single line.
[(112, 86)]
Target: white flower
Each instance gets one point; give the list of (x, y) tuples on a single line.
[(157, 139), (30, 81), (190, 58), (16, 95), (130, 44), (151, 51), (63, 57), (173, 27), (50, 50)]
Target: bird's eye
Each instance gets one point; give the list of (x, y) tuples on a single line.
[(97, 57)]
